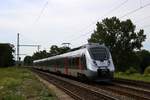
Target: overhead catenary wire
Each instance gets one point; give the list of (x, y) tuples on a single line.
[(39, 16), (129, 13), (116, 8), (135, 10), (141, 19), (110, 11), (34, 21), (87, 33), (41, 12)]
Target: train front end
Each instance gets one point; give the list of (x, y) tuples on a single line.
[(99, 63)]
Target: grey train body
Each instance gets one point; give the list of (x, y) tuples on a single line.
[(92, 61)]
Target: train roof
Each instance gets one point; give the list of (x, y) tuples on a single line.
[(72, 53), (76, 53)]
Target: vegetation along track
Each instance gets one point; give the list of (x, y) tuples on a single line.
[(77, 90), (92, 91)]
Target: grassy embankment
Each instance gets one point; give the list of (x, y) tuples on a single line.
[(20, 84), (133, 76)]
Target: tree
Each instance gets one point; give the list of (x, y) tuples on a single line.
[(144, 56), (28, 60), (40, 55), (122, 39), (55, 50), (6, 55), (63, 50)]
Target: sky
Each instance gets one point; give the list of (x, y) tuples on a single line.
[(53, 22)]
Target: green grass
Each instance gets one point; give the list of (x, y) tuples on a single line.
[(133, 76), (20, 84)]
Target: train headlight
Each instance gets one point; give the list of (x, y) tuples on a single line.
[(94, 62)]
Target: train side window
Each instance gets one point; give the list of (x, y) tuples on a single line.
[(53, 62), (56, 62), (50, 63), (59, 60), (83, 61), (69, 62), (61, 63), (77, 61), (47, 63), (64, 62), (74, 62)]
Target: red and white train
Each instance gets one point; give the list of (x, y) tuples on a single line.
[(92, 61)]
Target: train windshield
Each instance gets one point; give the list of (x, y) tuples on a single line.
[(99, 53)]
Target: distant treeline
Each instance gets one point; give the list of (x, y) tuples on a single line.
[(6, 55), (54, 50)]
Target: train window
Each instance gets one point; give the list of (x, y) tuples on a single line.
[(56, 62), (65, 62), (74, 62), (98, 53), (69, 62), (61, 62), (83, 61), (51, 62), (48, 63), (77, 61)]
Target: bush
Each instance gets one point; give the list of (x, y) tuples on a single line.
[(131, 70), (147, 71)]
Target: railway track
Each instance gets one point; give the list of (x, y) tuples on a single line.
[(77, 90), (130, 92), (93, 91), (138, 90), (138, 84)]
